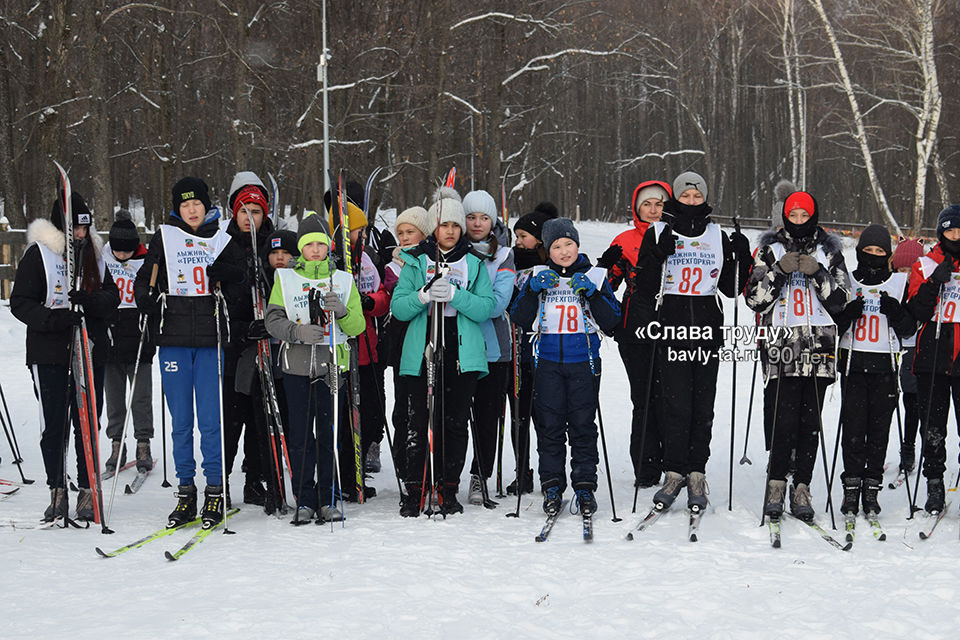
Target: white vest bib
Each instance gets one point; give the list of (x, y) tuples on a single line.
[(694, 268), (188, 257), (950, 296), (562, 312), (296, 295), (871, 332), (798, 301), (124, 273)]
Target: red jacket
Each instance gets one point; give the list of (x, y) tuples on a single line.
[(629, 241), (923, 303)]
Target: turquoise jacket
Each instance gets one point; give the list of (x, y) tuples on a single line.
[(474, 304)]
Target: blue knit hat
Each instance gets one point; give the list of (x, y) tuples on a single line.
[(558, 228)]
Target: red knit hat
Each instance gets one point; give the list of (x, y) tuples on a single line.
[(249, 194), (906, 253), (799, 200)]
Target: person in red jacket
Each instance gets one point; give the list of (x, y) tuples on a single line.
[(934, 295), (625, 258)]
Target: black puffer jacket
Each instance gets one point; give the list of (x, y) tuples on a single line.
[(48, 342), (187, 321)]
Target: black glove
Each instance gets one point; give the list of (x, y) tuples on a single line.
[(62, 319), (941, 275), (225, 273), (80, 297), (367, 302), (658, 249), (741, 246), (150, 303), (890, 306), (853, 310), (257, 331), (610, 257)]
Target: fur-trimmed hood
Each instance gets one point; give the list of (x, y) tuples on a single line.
[(830, 242), (42, 231)]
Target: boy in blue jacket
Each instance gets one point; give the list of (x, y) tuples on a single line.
[(566, 302)]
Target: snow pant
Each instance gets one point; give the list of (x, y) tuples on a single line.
[(489, 408), (239, 418), (310, 410), (565, 398), (115, 378), (520, 428), (50, 388), (636, 358), (454, 392), (935, 431), (401, 420), (911, 403), (688, 390), (372, 404), (796, 426), (190, 374), (868, 403)]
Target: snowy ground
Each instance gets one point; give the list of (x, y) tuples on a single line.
[(479, 574)]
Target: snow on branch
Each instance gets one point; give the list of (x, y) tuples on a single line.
[(145, 98), (534, 64), (340, 87), (623, 163), (550, 26), (461, 101), (316, 141)]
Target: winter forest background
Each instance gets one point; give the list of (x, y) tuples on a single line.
[(574, 101)]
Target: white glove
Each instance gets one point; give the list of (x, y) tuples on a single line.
[(441, 290), (423, 296)]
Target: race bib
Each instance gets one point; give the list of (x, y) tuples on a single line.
[(124, 273), (55, 269), (561, 311), (694, 268), (799, 305), (950, 291), (296, 295), (455, 272), (368, 280), (188, 257), (871, 332)]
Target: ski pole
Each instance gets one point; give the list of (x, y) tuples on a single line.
[(163, 431), (133, 383), (17, 459), (217, 317), (746, 437), (535, 348), (925, 425), (733, 395), (515, 334), (773, 430), (816, 392), (895, 369), (500, 429), (843, 384)]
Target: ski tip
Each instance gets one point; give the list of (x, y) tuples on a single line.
[(776, 544), (923, 536), (629, 536), (882, 537), (127, 490), (847, 547), (169, 555), (539, 539), (102, 553), (693, 537)]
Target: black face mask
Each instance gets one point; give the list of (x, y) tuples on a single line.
[(804, 230), (526, 258), (872, 266), (951, 247), (687, 219)]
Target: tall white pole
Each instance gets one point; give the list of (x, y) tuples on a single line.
[(322, 72)]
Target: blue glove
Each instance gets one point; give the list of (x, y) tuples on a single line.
[(582, 285), (546, 279)]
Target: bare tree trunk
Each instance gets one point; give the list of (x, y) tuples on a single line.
[(929, 119), (92, 71), (9, 186)]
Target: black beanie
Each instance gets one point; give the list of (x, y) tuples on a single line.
[(354, 194), (533, 222), (282, 239), (558, 228), (123, 233), (81, 213), (949, 218), (875, 235), (190, 189)]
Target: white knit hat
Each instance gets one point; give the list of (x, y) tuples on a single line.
[(480, 202), (447, 207), (418, 217)]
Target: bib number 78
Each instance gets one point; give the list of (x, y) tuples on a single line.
[(569, 315)]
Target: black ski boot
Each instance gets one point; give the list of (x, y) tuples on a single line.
[(552, 498), (776, 493), (869, 495), (801, 503), (526, 483), (585, 499), (212, 513), (85, 506), (935, 496), (186, 509), (448, 500), (410, 503), (851, 496), (59, 505), (254, 492)]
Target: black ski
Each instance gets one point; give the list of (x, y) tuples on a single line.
[(137, 482), (648, 520), (826, 537), (928, 533), (548, 525)]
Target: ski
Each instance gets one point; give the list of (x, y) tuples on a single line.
[(548, 525), (197, 538), (849, 526), (109, 474), (11, 483), (928, 533), (878, 532), (773, 524), (901, 477), (137, 482), (647, 521), (7, 494), (588, 528), (156, 535), (826, 537), (693, 528)]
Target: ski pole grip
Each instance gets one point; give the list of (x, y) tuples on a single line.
[(153, 275)]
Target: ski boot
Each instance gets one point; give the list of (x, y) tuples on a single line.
[(475, 496), (118, 454), (800, 502), (85, 505), (935, 496), (303, 515), (186, 509), (908, 458), (669, 491), (869, 495), (448, 500), (410, 503), (59, 505), (552, 498), (371, 463), (697, 491), (585, 499), (144, 457), (776, 492), (851, 496), (526, 483), (212, 513), (330, 514), (254, 492)]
